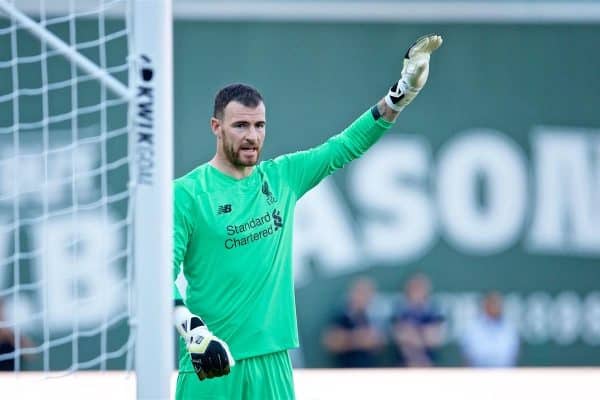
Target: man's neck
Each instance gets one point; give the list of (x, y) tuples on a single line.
[(227, 168)]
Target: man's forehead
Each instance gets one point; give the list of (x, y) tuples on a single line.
[(236, 110)]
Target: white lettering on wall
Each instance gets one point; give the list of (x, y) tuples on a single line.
[(591, 319), (565, 318), (323, 233), (541, 318), (566, 218), (79, 269), (389, 184), (535, 319), (492, 159), (51, 174)]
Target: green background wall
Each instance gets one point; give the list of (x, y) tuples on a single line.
[(317, 77)]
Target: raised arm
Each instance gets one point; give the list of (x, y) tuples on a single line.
[(307, 168)]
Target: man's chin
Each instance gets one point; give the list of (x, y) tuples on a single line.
[(247, 161)]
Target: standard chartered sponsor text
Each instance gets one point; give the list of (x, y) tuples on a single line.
[(262, 222)]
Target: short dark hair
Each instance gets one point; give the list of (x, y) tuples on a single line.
[(244, 94)]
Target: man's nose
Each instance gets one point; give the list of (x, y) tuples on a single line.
[(252, 134)]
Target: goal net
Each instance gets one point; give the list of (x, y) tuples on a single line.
[(81, 167)]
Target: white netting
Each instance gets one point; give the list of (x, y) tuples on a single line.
[(65, 241)]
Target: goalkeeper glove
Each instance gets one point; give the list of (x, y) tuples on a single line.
[(414, 72), (210, 356)]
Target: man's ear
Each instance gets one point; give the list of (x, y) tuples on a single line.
[(215, 124)]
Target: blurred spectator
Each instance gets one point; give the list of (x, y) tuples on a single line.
[(490, 340), (417, 325), (7, 343), (351, 336)]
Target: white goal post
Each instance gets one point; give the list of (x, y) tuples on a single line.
[(145, 88), (153, 136)]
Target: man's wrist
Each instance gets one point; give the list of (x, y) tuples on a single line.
[(375, 112), (386, 112), (185, 321)]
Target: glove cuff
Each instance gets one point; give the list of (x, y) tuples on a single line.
[(396, 97), (185, 321), (390, 103)]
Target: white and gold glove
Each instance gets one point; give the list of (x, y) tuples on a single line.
[(210, 355), (414, 72)]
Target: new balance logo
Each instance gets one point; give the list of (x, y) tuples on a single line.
[(224, 209)]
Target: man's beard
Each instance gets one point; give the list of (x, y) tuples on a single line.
[(233, 156)]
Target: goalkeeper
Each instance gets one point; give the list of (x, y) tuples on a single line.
[(233, 238)]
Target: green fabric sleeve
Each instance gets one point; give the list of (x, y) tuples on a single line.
[(183, 228), (305, 169)]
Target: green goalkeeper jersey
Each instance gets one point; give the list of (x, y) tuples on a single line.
[(233, 239)]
